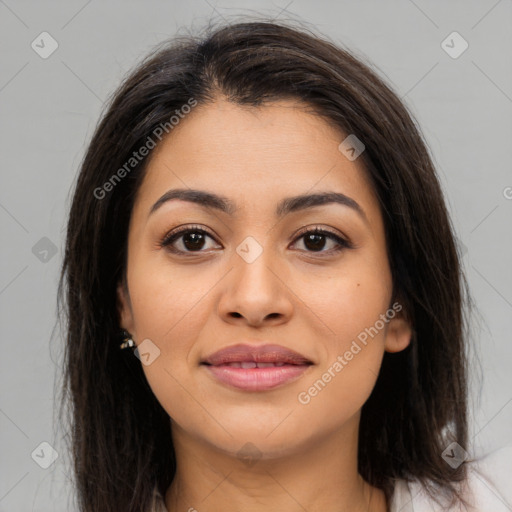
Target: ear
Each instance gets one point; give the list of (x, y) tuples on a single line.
[(124, 307), (399, 334)]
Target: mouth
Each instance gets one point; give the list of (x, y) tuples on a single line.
[(253, 364), (259, 368)]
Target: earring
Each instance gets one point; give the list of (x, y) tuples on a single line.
[(127, 340)]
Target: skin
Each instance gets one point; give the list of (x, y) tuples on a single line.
[(314, 302)]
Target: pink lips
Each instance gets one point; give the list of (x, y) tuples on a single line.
[(256, 368)]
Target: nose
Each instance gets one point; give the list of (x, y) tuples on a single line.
[(256, 293)]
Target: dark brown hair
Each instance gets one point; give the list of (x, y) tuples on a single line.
[(120, 435)]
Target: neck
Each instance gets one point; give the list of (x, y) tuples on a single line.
[(322, 477)]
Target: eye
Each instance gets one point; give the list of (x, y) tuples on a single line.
[(315, 240), (191, 239)]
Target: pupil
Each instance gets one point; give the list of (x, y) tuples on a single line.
[(317, 241), (193, 240)]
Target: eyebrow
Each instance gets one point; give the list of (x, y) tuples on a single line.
[(285, 206)]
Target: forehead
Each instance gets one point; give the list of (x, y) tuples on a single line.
[(254, 155), (278, 131)]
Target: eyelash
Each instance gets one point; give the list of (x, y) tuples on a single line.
[(175, 235)]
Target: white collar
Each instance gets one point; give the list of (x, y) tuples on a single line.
[(401, 500)]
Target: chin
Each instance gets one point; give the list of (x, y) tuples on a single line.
[(269, 439)]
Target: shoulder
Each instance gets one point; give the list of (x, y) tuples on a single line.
[(489, 487)]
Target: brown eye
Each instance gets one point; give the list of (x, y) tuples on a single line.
[(194, 239), (191, 239), (315, 241)]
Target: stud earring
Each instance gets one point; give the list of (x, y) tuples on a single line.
[(127, 341)]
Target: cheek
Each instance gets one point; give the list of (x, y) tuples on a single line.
[(170, 308), (348, 300), (350, 306), (352, 356), (166, 300)]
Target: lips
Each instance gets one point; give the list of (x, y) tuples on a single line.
[(260, 368), (253, 364), (238, 354)]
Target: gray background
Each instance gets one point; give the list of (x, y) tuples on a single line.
[(49, 108)]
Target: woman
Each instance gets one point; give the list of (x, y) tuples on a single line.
[(264, 297)]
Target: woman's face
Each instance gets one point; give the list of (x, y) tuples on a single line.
[(249, 275)]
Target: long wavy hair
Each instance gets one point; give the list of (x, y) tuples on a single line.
[(120, 436)]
